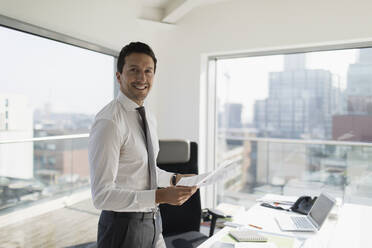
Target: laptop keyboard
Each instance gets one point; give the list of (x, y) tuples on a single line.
[(301, 222)]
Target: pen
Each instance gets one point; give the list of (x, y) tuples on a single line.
[(258, 227)]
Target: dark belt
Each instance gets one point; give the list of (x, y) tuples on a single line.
[(133, 215)]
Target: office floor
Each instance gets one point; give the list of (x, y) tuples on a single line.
[(69, 227), (66, 227)]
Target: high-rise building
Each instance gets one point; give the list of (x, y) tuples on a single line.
[(355, 125), (230, 122), (16, 122), (233, 115), (300, 102), (359, 84)]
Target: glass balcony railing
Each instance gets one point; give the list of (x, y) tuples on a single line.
[(37, 169), (294, 167)]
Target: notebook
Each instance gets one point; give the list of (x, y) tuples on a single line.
[(245, 235)]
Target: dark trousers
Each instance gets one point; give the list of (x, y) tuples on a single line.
[(128, 229)]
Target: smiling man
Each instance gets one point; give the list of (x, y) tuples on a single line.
[(126, 184)]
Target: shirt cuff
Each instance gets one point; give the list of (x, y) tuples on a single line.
[(164, 178), (146, 199)]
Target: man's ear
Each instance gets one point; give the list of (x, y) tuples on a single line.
[(118, 75)]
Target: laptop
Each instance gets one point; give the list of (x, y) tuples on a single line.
[(313, 221)]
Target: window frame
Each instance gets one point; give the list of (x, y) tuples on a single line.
[(24, 27), (208, 98)]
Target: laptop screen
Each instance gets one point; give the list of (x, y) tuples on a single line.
[(322, 206)]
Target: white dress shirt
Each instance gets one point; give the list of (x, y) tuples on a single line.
[(118, 160)]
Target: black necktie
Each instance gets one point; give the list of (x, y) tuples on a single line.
[(150, 149)]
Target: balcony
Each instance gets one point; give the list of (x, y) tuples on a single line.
[(44, 192), (38, 169), (294, 167)]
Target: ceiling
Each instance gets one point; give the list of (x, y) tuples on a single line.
[(170, 11)]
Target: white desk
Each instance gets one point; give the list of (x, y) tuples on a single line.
[(350, 229)]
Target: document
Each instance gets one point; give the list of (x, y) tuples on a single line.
[(206, 178)]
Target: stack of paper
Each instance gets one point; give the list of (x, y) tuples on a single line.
[(278, 199)]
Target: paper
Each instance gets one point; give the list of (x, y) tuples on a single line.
[(205, 178), (281, 199), (192, 181), (279, 241)]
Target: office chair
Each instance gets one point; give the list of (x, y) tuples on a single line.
[(181, 224)]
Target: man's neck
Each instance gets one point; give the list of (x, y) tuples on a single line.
[(139, 102)]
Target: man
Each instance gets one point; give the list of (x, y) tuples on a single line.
[(123, 147)]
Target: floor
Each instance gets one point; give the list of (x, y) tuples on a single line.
[(70, 227), (67, 227)]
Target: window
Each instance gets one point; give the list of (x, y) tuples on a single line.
[(48, 88), (52, 86), (289, 123)]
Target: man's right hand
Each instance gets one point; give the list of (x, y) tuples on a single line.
[(174, 195)]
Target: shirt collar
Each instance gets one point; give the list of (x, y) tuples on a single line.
[(127, 103)]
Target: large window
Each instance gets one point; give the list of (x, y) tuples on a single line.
[(47, 88), (51, 86), (295, 124)]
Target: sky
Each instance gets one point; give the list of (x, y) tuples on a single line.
[(72, 79), (247, 79)]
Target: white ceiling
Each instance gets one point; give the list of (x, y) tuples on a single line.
[(170, 11)]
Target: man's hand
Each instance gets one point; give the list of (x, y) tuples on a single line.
[(174, 195)]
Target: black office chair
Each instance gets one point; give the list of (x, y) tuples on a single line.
[(181, 224)]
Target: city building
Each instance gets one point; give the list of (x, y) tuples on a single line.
[(356, 124), (16, 122), (230, 123), (300, 102), (61, 161)]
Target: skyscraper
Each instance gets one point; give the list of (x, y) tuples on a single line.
[(359, 84), (355, 125), (299, 102)]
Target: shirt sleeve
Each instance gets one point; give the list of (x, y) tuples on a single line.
[(103, 153), (164, 177)]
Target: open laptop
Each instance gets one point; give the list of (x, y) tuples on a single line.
[(313, 221)]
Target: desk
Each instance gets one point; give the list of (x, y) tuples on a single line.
[(350, 229)]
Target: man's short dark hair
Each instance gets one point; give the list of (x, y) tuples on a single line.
[(134, 47)]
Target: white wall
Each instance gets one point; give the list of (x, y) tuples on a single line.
[(241, 25)]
